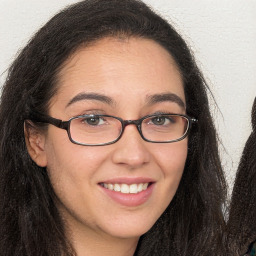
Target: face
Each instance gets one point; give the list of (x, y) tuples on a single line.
[(129, 74)]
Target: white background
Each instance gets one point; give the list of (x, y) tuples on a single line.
[(222, 34)]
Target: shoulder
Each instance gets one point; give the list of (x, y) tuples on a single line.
[(252, 250)]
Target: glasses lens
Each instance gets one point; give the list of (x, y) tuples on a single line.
[(164, 128), (95, 129)]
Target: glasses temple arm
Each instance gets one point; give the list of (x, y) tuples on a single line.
[(41, 118)]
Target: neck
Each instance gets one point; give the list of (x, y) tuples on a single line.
[(99, 244)]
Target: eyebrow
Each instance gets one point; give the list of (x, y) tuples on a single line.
[(156, 98), (151, 99), (90, 96)]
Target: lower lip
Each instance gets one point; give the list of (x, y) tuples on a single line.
[(130, 200)]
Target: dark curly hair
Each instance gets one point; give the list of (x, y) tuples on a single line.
[(242, 216), (30, 223)]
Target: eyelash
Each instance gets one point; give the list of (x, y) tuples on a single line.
[(102, 112)]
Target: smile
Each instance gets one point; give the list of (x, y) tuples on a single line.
[(125, 188)]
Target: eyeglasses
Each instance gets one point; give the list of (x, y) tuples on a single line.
[(99, 130)]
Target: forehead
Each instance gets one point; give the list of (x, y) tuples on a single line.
[(133, 67)]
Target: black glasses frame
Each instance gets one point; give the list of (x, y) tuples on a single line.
[(41, 118)]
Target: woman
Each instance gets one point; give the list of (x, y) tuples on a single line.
[(137, 170), (242, 221)]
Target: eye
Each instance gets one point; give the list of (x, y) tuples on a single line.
[(162, 120), (94, 120)]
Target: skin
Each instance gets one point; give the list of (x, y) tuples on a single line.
[(129, 72)]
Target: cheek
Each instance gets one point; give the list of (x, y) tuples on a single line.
[(172, 161), (172, 158), (72, 170), (69, 164)]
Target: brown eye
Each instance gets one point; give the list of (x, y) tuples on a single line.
[(96, 120), (162, 120), (158, 120)]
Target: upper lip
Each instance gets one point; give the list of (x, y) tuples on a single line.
[(128, 180)]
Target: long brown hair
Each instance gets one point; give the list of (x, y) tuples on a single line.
[(29, 220), (242, 216)]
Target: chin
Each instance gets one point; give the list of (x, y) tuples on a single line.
[(129, 230)]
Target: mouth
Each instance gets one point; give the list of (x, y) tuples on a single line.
[(128, 192), (126, 188)]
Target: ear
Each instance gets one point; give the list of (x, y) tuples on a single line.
[(35, 142)]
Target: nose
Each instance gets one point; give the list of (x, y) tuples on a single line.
[(131, 150)]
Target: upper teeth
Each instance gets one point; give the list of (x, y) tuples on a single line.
[(125, 188)]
